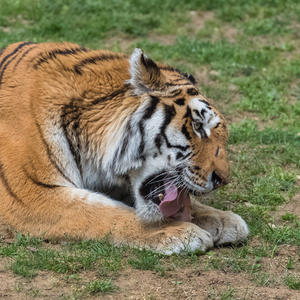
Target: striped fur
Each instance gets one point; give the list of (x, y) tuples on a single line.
[(81, 132)]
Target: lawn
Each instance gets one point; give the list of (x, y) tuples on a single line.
[(245, 56)]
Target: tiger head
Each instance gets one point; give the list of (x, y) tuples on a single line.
[(180, 138)]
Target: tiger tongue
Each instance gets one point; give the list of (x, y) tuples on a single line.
[(173, 202)]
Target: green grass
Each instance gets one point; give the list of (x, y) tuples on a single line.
[(146, 260), (253, 78), (99, 286), (224, 294), (293, 282)]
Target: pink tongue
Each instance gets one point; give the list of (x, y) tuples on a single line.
[(176, 203), (169, 206)]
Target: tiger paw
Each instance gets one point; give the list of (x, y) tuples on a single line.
[(180, 237), (225, 227)]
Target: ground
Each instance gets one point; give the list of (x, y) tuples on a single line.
[(246, 59)]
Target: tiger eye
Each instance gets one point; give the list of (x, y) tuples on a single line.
[(197, 125)]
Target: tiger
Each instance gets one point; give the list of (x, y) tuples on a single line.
[(97, 144)]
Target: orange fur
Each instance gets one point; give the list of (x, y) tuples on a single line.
[(42, 193)]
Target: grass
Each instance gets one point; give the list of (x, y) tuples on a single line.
[(293, 282), (252, 75), (146, 260), (99, 286)]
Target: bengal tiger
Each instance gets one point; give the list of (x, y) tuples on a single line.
[(96, 143)]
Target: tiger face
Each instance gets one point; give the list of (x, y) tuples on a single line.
[(182, 142)]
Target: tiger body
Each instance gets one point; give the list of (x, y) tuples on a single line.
[(93, 142)]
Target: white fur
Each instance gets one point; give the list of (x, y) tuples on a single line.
[(187, 176), (62, 155), (136, 73), (189, 241), (94, 198), (235, 231)]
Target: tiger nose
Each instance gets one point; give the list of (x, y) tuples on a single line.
[(218, 180)]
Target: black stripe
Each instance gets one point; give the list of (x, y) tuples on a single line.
[(168, 68), (110, 96), (197, 113), (175, 93), (9, 55), (203, 111), (192, 92), (42, 184), (180, 101), (179, 155), (147, 115), (180, 78), (94, 60), (23, 55), (170, 113), (185, 132), (191, 170), (158, 142), (70, 118), (204, 101), (142, 142), (194, 154), (5, 67), (2, 50), (45, 185), (150, 66), (191, 78), (50, 156), (186, 156), (6, 184), (201, 130), (168, 84), (217, 153), (14, 52), (188, 113), (217, 125), (151, 108), (52, 54)]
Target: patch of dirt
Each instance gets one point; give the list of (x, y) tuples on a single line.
[(199, 18), (123, 42), (45, 285), (163, 39), (292, 207), (231, 95), (5, 29), (192, 284), (202, 76), (189, 283), (198, 22), (230, 33)]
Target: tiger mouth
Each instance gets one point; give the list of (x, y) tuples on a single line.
[(173, 201)]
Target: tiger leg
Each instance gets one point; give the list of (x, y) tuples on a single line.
[(77, 214), (225, 227)]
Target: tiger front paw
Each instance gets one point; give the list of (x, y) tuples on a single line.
[(235, 230), (179, 237), (225, 227)]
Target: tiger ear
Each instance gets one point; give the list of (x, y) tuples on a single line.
[(145, 74)]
